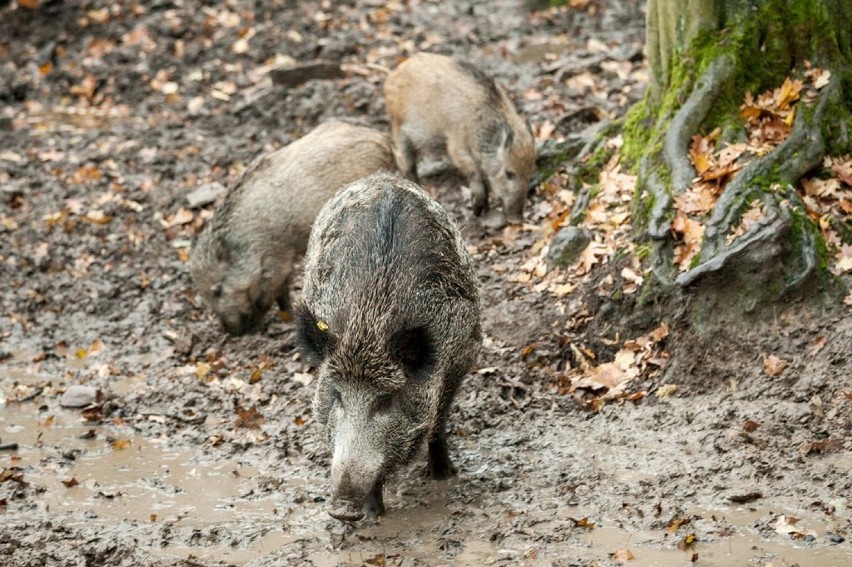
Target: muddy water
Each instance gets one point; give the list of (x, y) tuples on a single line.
[(150, 482)]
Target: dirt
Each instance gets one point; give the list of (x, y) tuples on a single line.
[(201, 449)]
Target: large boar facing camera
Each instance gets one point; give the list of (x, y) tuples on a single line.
[(437, 102), (391, 319), (242, 261)]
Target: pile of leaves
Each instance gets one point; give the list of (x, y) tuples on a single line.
[(768, 121)]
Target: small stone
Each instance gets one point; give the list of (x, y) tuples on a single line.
[(834, 538), (205, 194), (79, 397), (567, 245)]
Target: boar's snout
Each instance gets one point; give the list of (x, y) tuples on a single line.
[(346, 510), (243, 324)]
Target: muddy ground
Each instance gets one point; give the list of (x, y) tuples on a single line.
[(201, 450)]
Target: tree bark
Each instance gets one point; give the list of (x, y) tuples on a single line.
[(704, 55)]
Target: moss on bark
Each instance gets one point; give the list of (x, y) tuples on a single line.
[(704, 55)]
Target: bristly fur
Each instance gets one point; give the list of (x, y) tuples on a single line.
[(388, 274), (247, 250)]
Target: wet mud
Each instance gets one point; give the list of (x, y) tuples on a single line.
[(201, 449)]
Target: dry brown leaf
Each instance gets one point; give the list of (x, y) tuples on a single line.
[(70, 483), (699, 199), (843, 259), (818, 344), (182, 216), (773, 365), (87, 174), (249, 418), (788, 93), (623, 555), (607, 376), (584, 523), (97, 216), (666, 390), (120, 444), (751, 217)]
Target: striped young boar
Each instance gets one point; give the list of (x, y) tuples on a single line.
[(391, 318), (437, 102), (242, 260)]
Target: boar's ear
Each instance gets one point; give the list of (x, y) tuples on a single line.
[(414, 350), (312, 335), (222, 250)]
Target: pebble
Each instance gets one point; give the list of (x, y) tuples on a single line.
[(79, 397)]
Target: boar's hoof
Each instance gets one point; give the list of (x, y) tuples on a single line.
[(493, 220), (346, 511), (514, 219), (247, 323)]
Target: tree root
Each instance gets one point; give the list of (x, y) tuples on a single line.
[(689, 117), (798, 154), (683, 125)]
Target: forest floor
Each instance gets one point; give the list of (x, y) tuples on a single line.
[(592, 432)]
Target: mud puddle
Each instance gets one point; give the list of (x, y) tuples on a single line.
[(156, 489), (106, 474)]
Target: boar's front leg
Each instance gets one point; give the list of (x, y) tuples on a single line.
[(440, 465), (284, 297), (479, 194), (405, 154), (374, 506)]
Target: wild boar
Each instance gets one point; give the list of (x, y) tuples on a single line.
[(439, 103), (390, 316), (242, 260)]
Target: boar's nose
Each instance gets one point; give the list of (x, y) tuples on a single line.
[(514, 218), (346, 510), (247, 323)]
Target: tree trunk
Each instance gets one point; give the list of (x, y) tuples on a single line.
[(704, 55)]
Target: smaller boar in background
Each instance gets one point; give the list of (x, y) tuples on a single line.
[(437, 102), (242, 260), (391, 319)]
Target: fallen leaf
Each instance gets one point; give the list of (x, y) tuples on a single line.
[(120, 444), (71, 483), (623, 555), (666, 390), (818, 344), (786, 525), (202, 369), (584, 523), (249, 418), (773, 365), (686, 543)]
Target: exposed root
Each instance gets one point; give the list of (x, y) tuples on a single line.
[(683, 125), (689, 117), (761, 243), (800, 152)]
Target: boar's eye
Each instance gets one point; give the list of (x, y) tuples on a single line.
[(382, 404), (510, 175), (216, 290), (314, 337), (413, 349), (336, 398)]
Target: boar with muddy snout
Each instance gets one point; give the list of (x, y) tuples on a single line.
[(437, 102), (391, 319), (242, 260)]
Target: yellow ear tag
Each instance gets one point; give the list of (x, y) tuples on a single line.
[(322, 326)]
